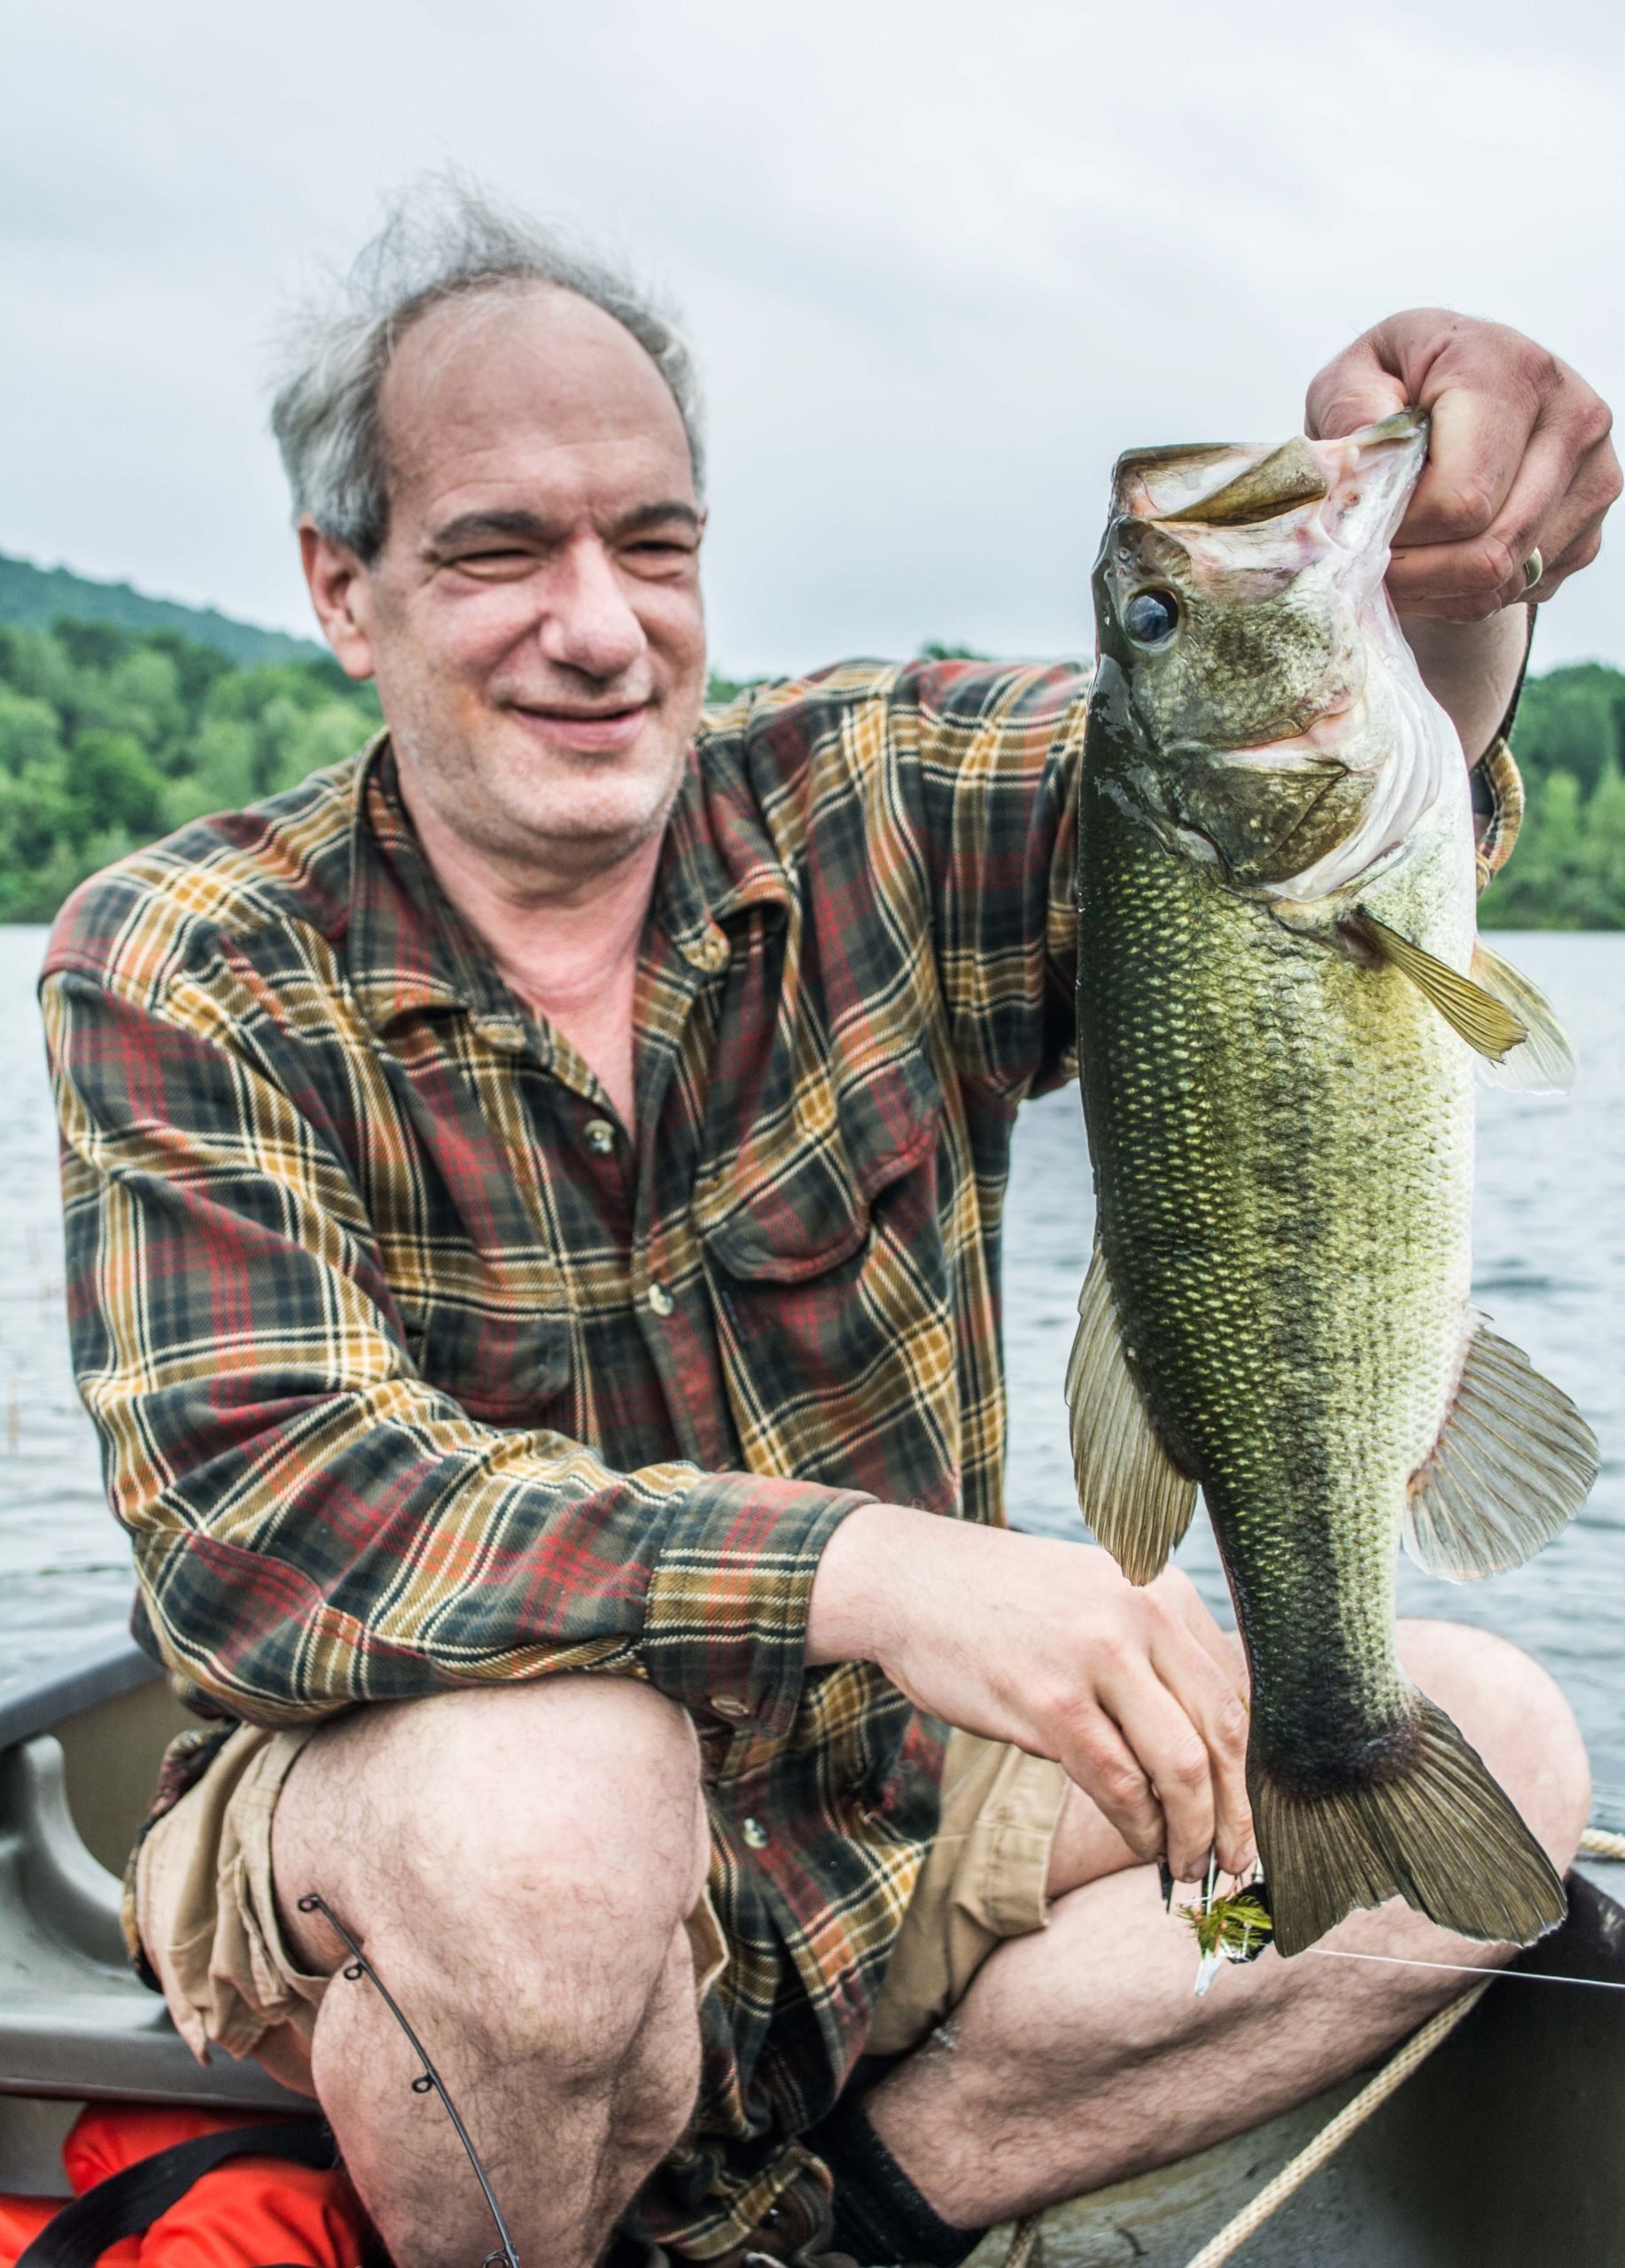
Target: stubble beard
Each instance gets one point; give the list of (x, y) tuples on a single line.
[(571, 828)]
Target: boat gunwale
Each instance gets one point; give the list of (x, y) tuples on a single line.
[(104, 1670)]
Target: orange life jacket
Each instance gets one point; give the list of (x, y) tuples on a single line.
[(258, 2211)]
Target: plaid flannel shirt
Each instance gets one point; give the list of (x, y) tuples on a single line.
[(414, 1369)]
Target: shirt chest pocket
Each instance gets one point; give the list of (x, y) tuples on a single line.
[(505, 1367), (827, 1262), (801, 1196)]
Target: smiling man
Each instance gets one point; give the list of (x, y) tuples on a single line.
[(533, 1199)]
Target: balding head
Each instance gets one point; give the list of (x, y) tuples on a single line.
[(443, 246)]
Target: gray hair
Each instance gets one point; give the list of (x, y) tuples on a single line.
[(443, 239)]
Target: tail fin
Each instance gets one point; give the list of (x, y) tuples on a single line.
[(1440, 1833)]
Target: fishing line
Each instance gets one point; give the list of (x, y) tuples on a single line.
[(1467, 1969), (428, 2080)]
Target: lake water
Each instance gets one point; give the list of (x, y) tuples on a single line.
[(1550, 1269)]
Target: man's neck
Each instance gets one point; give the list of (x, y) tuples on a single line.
[(566, 944)]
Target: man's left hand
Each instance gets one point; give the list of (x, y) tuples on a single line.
[(1518, 460)]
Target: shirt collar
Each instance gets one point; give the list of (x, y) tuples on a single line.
[(409, 950)]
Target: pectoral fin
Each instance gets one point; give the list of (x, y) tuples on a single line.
[(1484, 1021), (1132, 1493), (1544, 1064), (1514, 1463)]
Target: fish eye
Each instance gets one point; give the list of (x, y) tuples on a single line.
[(1151, 616)]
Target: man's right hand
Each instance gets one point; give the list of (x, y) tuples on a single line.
[(1137, 1693)]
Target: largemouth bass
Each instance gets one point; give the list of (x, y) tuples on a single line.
[(1280, 1000)]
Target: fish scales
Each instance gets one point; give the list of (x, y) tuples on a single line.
[(1276, 968), (1242, 1254)]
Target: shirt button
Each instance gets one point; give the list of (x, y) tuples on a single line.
[(729, 1704), (660, 1301), (755, 1834), (601, 1135)]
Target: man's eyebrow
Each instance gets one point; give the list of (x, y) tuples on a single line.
[(530, 527), (650, 516), (473, 527)]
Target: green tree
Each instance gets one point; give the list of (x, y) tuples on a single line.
[(1573, 720), (111, 736)]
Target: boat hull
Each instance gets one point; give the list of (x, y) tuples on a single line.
[(1501, 2152)]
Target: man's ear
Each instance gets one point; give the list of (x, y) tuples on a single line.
[(336, 580)]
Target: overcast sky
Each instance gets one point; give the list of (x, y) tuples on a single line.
[(941, 261)]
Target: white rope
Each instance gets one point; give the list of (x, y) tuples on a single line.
[(1596, 1842)]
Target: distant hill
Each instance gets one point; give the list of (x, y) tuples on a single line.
[(35, 597)]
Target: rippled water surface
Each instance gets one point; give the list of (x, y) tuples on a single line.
[(1550, 1269)]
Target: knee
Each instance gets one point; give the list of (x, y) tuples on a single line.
[(1518, 1718), (535, 1849), (580, 1790)]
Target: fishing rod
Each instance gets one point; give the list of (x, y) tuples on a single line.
[(428, 2080)]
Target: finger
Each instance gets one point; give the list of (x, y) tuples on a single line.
[(1573, 537), (1355, 389), (1204, 1689), (1221, 1646), (1481, 433), (1488, 566), (1423, 355), (1171, 1754), (1553, 504), (1095, 1755), (1488, 390)]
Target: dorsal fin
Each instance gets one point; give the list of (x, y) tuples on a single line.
[(1292, 475)]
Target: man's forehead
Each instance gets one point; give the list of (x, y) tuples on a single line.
[(502, 384)]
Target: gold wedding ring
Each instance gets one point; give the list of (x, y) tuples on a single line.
[(1533, 568)]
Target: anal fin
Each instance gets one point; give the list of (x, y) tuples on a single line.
[(1131, 1491), (1514, 1463), (1484, 1021), (1544, 1063)]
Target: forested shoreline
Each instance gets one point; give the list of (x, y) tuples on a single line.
[(111, 736)]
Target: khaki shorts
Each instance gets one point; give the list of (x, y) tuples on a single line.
[(208, 1924)]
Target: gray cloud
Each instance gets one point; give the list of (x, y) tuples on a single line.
[(941, 261)]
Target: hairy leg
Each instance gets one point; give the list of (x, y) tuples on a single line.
[(518, 1864), (1081, 2055)]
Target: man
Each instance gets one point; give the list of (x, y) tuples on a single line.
[(533, 1199)]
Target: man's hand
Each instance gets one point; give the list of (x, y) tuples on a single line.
[(1519, 458), (1138, 1693)]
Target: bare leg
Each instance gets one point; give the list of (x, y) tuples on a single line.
[(518, 1864), (1080, 2054)]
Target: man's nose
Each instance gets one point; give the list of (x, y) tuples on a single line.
[(589, 625)]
